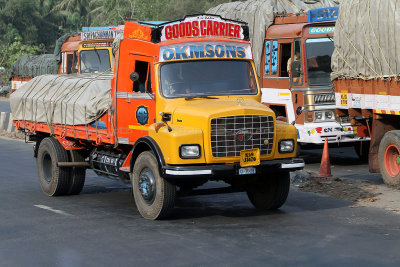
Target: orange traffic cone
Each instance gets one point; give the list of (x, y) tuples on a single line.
[(325, 169)]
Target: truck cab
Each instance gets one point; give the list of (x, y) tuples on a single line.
[(296, 68)]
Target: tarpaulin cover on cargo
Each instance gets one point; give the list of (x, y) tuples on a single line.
[(367, 40), (260, 14), (63, 99)]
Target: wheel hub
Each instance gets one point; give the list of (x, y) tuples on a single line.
[(392, 160), (147, 185)]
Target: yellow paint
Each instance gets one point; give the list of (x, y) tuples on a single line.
[(137, 127), (282, 94), (382, 93), (343, 99)]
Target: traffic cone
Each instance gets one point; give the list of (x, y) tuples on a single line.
[(325, 169)]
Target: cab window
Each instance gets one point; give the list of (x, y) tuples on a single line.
[(143, 84), (295, 64)]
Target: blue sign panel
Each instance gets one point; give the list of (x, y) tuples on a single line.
[(323, 14), (274, 59), (267, 57)]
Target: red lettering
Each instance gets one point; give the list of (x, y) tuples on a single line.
[(175, 31), (195, 28), (222, 29), (237, 31), (216, 27), (182, 30), (203, 26), (168, 33), (188, 29), (209, 28), (230, 29)]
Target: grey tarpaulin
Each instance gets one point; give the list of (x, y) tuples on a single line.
[(259, 14), (367, 42), (32, 66), (63, 99)]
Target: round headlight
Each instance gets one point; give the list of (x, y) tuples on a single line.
[(329, 115), (318, 115)]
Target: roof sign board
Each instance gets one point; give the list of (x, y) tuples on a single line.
[(323, 14), (205, 50), (317, 30), (202, 26), (99, 34)]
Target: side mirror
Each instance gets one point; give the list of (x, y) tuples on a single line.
[(299, 110), (134, 76)]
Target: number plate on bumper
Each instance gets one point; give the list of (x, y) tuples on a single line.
[(250, 157), (247, 171)]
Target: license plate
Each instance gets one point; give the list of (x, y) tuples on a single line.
[(343, 99), (250, 157), (247, 171)]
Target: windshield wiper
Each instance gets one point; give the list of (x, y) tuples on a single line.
[(200, 96)]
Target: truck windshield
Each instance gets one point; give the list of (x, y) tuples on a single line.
[(207, 78), (96, 60), (318, 53)]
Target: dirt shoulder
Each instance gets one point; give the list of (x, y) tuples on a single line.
[(362, 192), (3, 98)]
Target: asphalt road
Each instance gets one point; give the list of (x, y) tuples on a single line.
[(101, 227), (5, 106)]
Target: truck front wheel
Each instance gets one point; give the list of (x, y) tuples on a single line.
[(53, 179), (269, 193), (389, 158), (154, 196)]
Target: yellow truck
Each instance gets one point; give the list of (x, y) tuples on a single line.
[(181, 108)]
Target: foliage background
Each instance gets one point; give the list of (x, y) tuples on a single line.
[(29, 27)]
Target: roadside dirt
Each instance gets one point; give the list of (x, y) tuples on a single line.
[(3, 98), (14, 135), (362, 192)]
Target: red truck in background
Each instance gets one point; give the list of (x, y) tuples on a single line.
[(366, 77)]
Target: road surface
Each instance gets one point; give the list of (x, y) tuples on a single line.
[(101, 227)]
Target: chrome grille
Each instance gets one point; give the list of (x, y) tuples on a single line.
[(230, 135), (324, 98)]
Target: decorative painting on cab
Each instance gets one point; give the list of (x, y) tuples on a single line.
[(142, 115)]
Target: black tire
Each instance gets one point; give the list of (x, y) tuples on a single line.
[(388, 157), (362, 150), (77, 179), (154, 196), (53, 180), (269, 193)]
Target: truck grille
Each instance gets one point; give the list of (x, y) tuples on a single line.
[(230, 135), (324, 98)]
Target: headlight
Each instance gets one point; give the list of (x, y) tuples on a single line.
[(329, 115), (318, 115), (189, 151), (286, 146)]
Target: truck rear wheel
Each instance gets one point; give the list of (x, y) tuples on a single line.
[(154, 196), (389, 158), (53, 179), (269, 193), (77, 179)]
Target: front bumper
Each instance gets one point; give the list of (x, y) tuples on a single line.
[(230, 170)]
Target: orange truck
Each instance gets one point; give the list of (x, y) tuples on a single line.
[(365, 76), (181, 108), (85, 52)]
